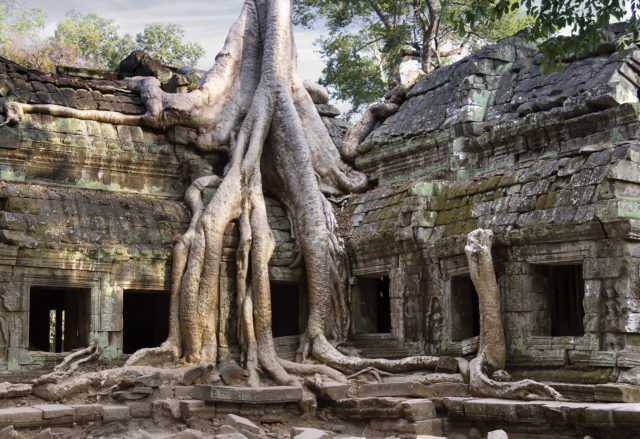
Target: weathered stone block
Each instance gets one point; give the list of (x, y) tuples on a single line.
[(24, 417), (617, 393), (419, 409), (240, 423), (115, 413), (266, 395), (56, 414), (86, 412)]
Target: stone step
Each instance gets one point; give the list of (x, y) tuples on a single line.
[(612, 392), (247, 395), (385, 408), (413, 390)]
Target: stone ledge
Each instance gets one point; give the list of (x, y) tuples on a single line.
[(250, 395)]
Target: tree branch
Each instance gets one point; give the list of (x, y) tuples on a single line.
[(381, 14)]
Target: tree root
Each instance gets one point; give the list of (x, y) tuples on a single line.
[(105, 378), (492, 350), (69, 364)]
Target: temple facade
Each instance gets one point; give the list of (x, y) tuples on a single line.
[(550, 163)]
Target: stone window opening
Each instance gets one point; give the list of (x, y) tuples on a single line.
[(564, 286), (465, 311), (58, 319), (145, 319), (373, 305), (288, 309)]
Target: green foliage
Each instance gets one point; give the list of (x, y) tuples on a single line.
[(164, 42), (18, 24), (96, 38), (369, 40), (86, 40), (583, 19)]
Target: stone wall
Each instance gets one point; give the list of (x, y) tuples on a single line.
[(94, 207)]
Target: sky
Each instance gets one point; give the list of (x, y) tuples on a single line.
[(204, 22)]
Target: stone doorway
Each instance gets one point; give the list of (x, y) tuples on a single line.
[(465, 311), (58, 318), (145, 319), (288, 309), (564, 287), (372, 310)]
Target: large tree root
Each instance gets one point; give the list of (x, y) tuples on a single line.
[(492, 351), (252, 104), (70, 386)]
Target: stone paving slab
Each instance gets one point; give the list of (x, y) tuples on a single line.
[(86, 412), (21, 417), (115, 413), (251, 395), (599, 415)]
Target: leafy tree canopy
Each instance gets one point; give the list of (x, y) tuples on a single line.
[(370, 39), (164, 42), (95, 37), (584, 20), (86, 40)]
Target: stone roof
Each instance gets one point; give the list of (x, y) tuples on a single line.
[(494, 109), (34, 87)]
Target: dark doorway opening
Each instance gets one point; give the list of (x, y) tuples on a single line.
[(565, 299), (145, 319), (373, 313), (285, 309), (465, 310), (59, 318)]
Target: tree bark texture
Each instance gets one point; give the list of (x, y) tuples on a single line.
[(492, 350)]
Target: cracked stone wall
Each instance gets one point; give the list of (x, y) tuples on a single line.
[(550, 164), (96, 206)]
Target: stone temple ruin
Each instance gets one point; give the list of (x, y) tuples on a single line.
[(549, 163)]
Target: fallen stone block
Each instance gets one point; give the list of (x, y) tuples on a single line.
[(447, 364), (21, 417), (139, 409), (86, 412), (250, 395), (162, 408), (334, 391), (226, 429), (240, 423), (309, 433), (190, 408), (418, 409), (189, 433), (115, 413), (56, 414), (196, 374), (46, 434), (231, 373)]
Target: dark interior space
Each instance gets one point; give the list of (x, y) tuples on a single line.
[(372, 311), (566, 294), (145, 319), (58, 318), (465, 311), (285, 309), (384, 305)]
